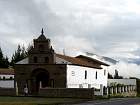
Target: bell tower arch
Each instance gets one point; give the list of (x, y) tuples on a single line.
[(42, 51)]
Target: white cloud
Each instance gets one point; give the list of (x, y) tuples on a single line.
[(124, 50), (106, 27), (128, 69), (133, 6), (72, 45)]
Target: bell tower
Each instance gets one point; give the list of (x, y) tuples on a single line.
[(41, 52)]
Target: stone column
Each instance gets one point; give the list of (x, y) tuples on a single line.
[(16, 89), (101, 89), (126, 89), (119, 89), (111, 90), (107, 91), (116, 90), (122, 88)]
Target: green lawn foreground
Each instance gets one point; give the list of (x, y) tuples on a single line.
[(37, 100)]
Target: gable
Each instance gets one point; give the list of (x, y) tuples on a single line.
[(77, 61), (92, 60)]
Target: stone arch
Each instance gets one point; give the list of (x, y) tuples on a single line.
[(39, 79)]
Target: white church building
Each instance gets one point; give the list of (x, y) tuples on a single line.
[(83, 76), (44, 68)]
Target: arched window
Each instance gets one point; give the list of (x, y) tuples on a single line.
[(35, 59), (46, 60), (96, 75), (4, 78), (11, 78)]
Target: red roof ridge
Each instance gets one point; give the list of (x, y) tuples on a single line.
[(77, 61), (7, 71)]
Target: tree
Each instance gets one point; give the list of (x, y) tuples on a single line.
[(110, 76), (116, 76), (4, 63), (19, 54), (1, 54)]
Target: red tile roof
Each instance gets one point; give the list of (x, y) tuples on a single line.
[(78, 61), (6, 71), (92, 59)]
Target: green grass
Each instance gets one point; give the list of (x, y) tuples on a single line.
[(36, 101)]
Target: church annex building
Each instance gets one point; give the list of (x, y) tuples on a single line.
[(44, 68)]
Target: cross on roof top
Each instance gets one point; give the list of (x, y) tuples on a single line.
[(42, 32)]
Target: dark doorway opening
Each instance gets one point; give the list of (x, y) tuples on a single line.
[(40, 79)]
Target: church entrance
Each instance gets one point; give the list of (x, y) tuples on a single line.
[(39, 79)]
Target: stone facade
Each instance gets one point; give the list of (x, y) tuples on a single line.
[(39, 70), (7, 92), (45, 69), (68, 92), (54, 76)]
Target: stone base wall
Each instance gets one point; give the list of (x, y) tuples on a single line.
[(7, 92), (125, 94), (67, 92)]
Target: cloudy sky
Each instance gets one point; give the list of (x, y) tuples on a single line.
[(104, 27)]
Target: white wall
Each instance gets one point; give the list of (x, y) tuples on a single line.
[(76, 76), (6, 76), (6, 83)]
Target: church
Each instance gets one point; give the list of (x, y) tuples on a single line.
[(44, 68)]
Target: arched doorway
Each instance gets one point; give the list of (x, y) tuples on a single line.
[(39, 79)]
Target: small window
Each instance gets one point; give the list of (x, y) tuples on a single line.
[(35, 59), (46, 60), (73, 73), (85, 74), (89, 85), (80, 86), (11, 78), (104, 72), (4, 78), (96, 75)]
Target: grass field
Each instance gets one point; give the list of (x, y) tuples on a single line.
[(36, 101)]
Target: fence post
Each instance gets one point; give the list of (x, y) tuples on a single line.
[(16, 89)]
